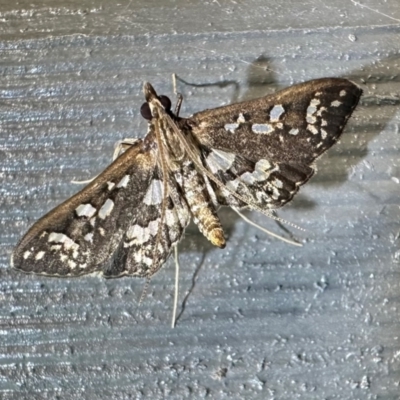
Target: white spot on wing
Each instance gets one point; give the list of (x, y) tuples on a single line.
[(262, 128), (263, 165), (219, 160), (39, 255), (312, 129), (123, 183), (89, 237), (275, 193), (336, 103), (294, 131), (247, 177), (171, 218), (160, 248), (154, 194), (139, 235), (278, 183), (71, 264), (110, 186), (64, 239), (324, 133), (153, 227), (311, 109), (26, 254), (321, 110), (342, 93), (231, 127), (141, 258), (276, 113), (106, 209), (233, 184), (259, 174), (241, 119), (85, 210)]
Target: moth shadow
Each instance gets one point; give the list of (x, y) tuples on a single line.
[(219, 84), (194, 241)]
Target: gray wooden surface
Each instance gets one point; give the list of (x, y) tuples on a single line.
[(260, 319)]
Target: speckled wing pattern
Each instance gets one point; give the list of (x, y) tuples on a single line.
[(148, 241), (253, 154), (265, 149)]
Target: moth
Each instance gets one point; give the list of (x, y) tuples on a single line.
[(252, 154)]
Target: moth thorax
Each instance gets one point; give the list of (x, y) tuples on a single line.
[(154, 110)]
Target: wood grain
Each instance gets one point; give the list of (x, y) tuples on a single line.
[(262, 320)]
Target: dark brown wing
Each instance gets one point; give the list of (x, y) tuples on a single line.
[(264, 149), (295, 125), (147, 243), (267, 185), (79, 235)]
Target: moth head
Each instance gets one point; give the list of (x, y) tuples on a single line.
[(152, 99)]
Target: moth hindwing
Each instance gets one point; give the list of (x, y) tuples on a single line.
[(255, 154)]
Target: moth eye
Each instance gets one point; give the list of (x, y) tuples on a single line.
[(166, 102), (145, 111)]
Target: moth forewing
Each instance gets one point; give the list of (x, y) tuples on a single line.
[(268, 146), (296, 124), (256, 154), (81, 233)]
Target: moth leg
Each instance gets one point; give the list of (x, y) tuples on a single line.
[(85, 182), (178, 95), (176, 257), (122, 145), (178, 104), (262, 229)]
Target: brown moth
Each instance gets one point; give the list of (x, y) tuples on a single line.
[(252, 154)]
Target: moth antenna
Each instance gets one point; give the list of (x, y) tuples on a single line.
[(176, 292), (174, 83), (249, 221), (283, 221), (178, 95)]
